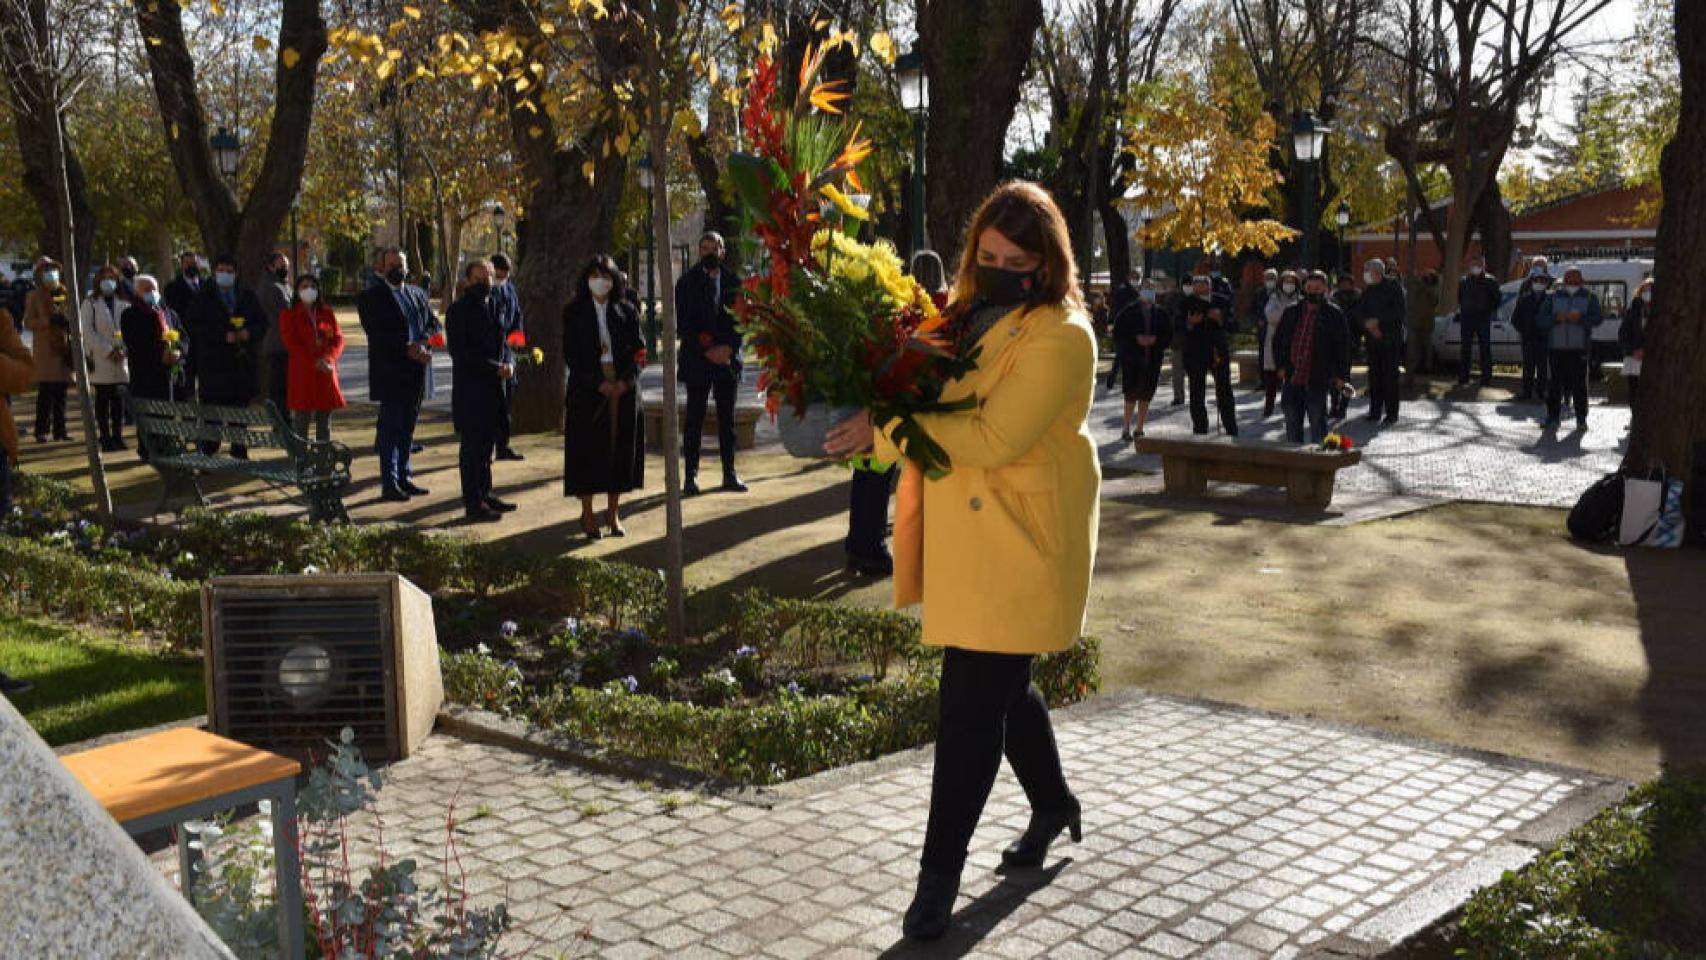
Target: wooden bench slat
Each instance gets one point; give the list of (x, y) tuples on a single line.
[(164, 771)]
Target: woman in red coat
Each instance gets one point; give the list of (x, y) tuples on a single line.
[(311, 335)]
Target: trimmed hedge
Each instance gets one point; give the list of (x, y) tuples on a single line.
[(50, 580)]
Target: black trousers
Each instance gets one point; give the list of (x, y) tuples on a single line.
[(722, 385), (1536, 366), (50, 410), (1384, 378), (1470, 331), (503, 427), (474, 463), (1569, 378), (1223, 399), (1634, 393), (109, 411), (988, 707), (278, 381), (868, 513)]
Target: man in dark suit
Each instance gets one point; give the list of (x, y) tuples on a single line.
[(182, 289), (709, 357), (506, 303), (398, 321), (1380, 313), (227, 326), (481, 363)]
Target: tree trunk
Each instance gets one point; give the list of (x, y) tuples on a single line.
[(1493, 222), (40, 127), (250, 231), (1673, 376), (1116, 233), (720, 214), (975, 53)]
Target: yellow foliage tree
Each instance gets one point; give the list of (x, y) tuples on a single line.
[(1200, 173)]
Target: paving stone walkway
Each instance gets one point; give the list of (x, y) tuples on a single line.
[(1210, 831)]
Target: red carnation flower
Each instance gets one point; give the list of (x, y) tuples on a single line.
[(517, 340), (436, 341), (640, 357)]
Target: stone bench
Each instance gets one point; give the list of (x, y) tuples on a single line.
[(1249, 366), (746, 423), (1616, 384), (1306, 473)]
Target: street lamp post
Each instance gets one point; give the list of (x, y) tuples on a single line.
[(1308, 136), (914, 99), (1343, 219), (226, 153), (647, 182)]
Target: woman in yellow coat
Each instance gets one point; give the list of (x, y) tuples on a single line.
[(999, 551)]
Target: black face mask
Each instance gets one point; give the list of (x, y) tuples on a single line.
[(395, 276), (282, 274), (129, 274), (479, 291), (1315, 297), (1004, 288), (192, 272), (711, 262)]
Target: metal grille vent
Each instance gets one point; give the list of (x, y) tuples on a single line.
[(290, 673)]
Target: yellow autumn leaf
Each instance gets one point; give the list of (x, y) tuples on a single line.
[(767, 45), (389, 67), (882, 45), (217, 7), (712, 78), (547, 28), (413, 13), (289, 57), (260, 44), (535, 132), (587, 169)]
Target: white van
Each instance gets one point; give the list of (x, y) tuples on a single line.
[(1615, 281)]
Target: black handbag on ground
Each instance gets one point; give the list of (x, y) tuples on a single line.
[(1598, 512)]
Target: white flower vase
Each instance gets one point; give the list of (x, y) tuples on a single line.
[(803, 436)]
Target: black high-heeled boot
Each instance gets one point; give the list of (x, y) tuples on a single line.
[(932, 909), (1031, 848)]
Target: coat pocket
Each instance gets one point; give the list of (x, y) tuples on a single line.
[(1030, 494)]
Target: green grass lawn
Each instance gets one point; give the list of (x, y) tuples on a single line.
[(88, 684)]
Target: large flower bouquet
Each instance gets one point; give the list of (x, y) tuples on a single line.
[(835, 323)]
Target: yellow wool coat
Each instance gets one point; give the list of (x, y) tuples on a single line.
[(999, 551)]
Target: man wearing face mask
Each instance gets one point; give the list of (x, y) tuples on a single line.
[(1312, 348), (274, 297), (506, 303), (1207, 353), (1567, 318), (1536, 370), (227, 326), (709, 357), (480, 365), (182, 290), (1380, 313), (1478, 299), (398, 321)]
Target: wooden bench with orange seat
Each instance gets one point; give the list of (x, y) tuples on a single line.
[(164, 779)]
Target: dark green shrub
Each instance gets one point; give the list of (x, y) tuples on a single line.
[(60, 583)]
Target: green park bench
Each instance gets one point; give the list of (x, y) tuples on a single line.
[(172, 434)]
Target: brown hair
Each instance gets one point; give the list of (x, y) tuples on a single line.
[(1025, 214)]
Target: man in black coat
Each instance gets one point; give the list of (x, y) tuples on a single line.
[(506, 302), (481, 363), (227, 325), (1477, 300), (182, 289), (399, 324), (1207, 353), (709, 357), (1380, 313), (1536, 368), (1311, 350)]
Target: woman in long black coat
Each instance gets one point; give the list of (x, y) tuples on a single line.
[(604, 448)]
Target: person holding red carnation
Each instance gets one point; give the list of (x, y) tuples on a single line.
[(314, 343), (999, 550)]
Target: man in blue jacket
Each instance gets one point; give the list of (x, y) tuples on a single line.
[(399, 323), (506, 303), (709, 357), (1568, 318)]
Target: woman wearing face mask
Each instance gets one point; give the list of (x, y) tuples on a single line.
[(50, 332), (314, 342), (1142, 333), (1288, 295), (103, 345), (603, 448), (1632, 338), (999, 550), (158, 345)]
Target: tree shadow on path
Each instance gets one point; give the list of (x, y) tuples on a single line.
[(1672, 615)]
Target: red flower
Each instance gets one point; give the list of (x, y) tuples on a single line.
[(436, 341), (640, 358), (1346, 443), (517, 340)]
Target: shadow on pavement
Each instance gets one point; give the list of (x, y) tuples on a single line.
[(1668, 607), (978, 919)]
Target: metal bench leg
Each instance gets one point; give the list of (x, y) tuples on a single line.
[(287, 874), (188, 858)]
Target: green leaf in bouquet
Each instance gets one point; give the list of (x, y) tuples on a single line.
[(754, 178)]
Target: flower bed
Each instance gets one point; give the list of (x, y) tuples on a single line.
[(782, 689)]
